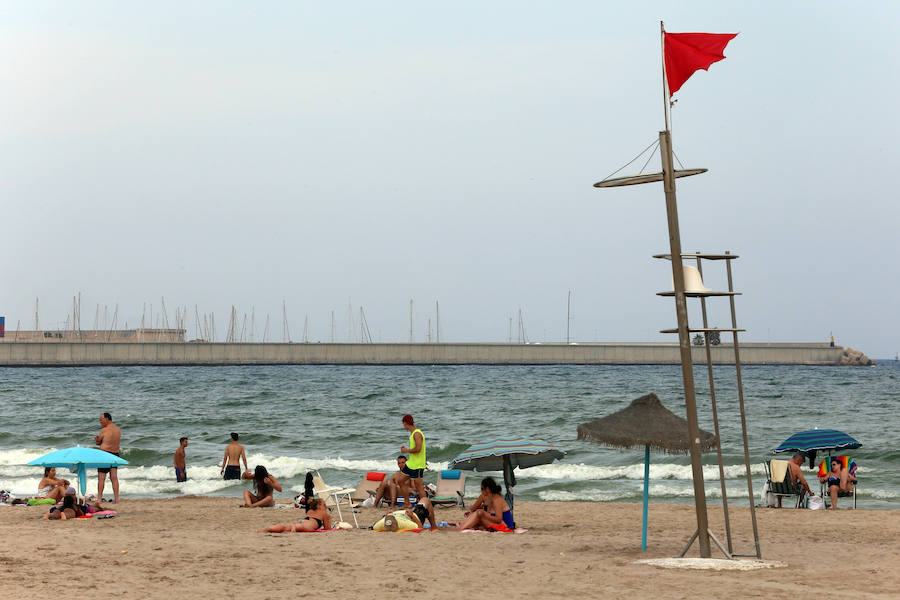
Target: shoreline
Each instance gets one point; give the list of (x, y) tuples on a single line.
[(194, 546)]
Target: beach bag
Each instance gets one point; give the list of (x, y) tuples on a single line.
[(815, 503), (767, 498)]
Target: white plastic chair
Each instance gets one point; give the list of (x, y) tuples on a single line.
[(333, 496)]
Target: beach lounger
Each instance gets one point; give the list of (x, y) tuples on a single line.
[(368, 486), (825, 466), (779, 481), (451, 488), (333, 496)]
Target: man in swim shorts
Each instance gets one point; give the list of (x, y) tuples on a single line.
[(179, 460), (109, 439), (231, 462), (391, 488), (415, 465)]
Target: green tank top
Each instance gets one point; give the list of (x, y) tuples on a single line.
[(417, 460)]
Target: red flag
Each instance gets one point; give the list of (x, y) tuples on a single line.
[(689, 52)]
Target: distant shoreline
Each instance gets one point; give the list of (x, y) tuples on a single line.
[(82, 354)]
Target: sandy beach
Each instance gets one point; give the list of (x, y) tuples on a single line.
[(197, 547)]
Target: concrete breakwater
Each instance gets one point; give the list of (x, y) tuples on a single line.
[(61, 354)]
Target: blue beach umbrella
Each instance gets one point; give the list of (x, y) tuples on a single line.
[(811, 441), (505, 454), (78, 460)]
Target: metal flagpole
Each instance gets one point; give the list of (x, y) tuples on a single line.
[(684, 339)]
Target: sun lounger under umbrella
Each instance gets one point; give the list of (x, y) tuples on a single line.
[(505, 454), (645, 422), (78, 460), (810, 442)]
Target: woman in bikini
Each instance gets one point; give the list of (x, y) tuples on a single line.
[(264, 484), (317, 518), (837, 480), (50, 486), (489, 510)]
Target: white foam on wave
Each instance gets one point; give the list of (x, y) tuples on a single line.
[(657, 491), (878, 494), (583, 472), (17, 457)]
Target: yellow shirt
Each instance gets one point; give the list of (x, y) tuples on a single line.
[(417, 460)]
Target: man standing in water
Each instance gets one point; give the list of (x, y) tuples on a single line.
[(108, 439), (180, 465), (415, 465), (231, 462)]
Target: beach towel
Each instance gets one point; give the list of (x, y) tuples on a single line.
[(516, 530), (846, 463), (38, 501)]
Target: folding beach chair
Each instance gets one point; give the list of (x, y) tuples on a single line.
[(825, 467), (368, 486), (333, 496), (451, 488), (779, 479)]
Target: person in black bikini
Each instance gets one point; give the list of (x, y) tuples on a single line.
[(316, 518)]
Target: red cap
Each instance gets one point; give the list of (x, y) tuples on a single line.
[(407, 420)]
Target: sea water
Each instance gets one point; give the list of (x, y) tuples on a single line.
[(345, 421)]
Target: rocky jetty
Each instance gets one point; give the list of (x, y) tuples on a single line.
[(855, 358)]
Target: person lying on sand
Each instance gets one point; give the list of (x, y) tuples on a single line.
[(50, 486), (264, 484), (837, 480), (400, 520), (490, 508), (69, 508), (316, 518)]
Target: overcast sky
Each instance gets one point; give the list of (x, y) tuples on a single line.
[(329, 155)]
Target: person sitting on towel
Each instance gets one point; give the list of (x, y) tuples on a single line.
[(401, 520), (317, 518), (489, 510)]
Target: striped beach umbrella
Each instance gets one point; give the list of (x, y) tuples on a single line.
[(817, 439), (505, 454), (810, 442)]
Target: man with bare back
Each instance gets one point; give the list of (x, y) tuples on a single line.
[(231, 462), (108, 439)]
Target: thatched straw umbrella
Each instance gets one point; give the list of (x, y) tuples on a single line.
[(645, 422)]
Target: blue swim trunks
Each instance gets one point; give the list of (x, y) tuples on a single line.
[(180, 474)]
